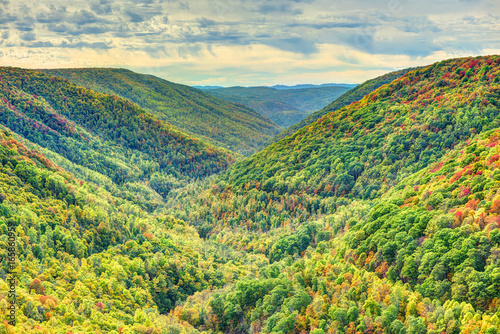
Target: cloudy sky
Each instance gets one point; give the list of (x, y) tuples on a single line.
[(246, 42)]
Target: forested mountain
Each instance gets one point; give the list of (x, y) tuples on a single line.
[(283, 105), (103, 133), (379, 217), (352, 95), (361, 150), (232, 126), (86, 261), (422, 258)]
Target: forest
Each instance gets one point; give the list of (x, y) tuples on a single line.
[(233, 126), (379, 213)]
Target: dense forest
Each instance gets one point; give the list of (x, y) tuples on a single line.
[(357, 152), (87, 261), (283, 106), (104, 133), (380, 216), (229, 125), (352, 95)]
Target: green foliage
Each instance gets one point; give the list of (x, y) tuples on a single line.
[(89, 261), (356, 152), (412, 234), (381, 217), (103, 133), (352, 95), (221, 123)]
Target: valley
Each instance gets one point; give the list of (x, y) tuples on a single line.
[(145, 206), (284, 105)]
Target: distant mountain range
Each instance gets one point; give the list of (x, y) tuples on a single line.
[(284, 105), (207, 87), (281, 87)]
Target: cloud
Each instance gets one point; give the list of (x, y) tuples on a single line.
[(83, 17), (6, 17), (25, 24), (87, 45), (419, 25), (328, 25), (141, 14), (295, 31), (287, 8), (294, 44), (134, 17), (54, 15), (42, 44), (28, 37), (205, 23), (89, 30), (58, 28), (102, 8)]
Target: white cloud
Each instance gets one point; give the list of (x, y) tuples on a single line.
[(249, 42)]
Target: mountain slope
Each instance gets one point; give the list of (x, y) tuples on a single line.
[(225, 124), (380, 217), (104, 133), (352, 95), (358, 151), (283, 106), (423, 259), (87, 261), (416, 253), (398, 127)]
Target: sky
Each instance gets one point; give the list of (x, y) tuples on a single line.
[(247, 42)]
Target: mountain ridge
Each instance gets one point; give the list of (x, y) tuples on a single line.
[(105, 133), (234, 127), (347, 98)]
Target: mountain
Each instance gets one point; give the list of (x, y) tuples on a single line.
[(423, 258), (281, 87), (207, 87), (352, 95), (282, 104), (234, 127), (103, 133), (360, 150), (85, 260), (381, 216)]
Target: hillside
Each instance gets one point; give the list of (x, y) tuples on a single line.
[(103, 133), (422, 258), (359, 151), (379, 217), (283, 105), (87, 261), (350, 96), (234, 127)]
